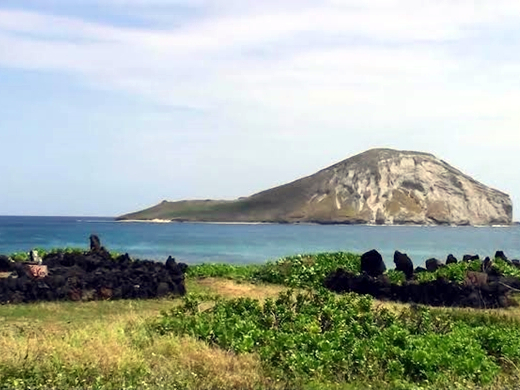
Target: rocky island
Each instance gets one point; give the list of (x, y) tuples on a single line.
[(379, 186)]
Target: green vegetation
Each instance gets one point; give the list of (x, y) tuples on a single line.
[(241, 328), (195, 210), (294, 271), (457, 272), (307, 270), (24, 256), (108, 345), (396, 277), (311, 340), (310, 270), (319, 337), (228, 271)]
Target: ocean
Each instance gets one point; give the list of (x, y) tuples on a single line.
[(252, 243)]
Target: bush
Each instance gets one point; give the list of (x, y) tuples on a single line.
[(237, 272), (307, 270), (457, 272), (319, 336)]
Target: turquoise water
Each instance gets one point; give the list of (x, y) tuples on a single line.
[(241, 244)]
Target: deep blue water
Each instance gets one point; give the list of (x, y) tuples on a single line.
[(197, 242)]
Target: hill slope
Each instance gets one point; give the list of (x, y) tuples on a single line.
[(382, 186)]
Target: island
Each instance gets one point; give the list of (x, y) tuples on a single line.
[(379, 186)]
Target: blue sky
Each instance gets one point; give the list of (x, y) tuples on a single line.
[(108, 106)]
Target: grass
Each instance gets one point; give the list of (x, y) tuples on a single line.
[(104, 344), (222, 270)]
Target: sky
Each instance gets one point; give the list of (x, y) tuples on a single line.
[(110, 106)]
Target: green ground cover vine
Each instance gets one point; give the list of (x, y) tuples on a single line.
[(318, 336), (223, 270)]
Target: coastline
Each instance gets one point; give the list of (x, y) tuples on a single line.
[(158, 220), (202, 222)]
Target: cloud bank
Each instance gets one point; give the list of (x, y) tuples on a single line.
[(243, 96)]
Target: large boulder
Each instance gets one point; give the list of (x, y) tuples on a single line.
[(451, 259), (5, 264), (403, 263), (95, 243), (467, 258), (487, 265), (500, 255), (372, 263), (97, 249), (433, 265)]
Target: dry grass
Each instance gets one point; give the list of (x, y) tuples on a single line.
[(103, 344), (231, 289), (511, 314), (184, 360)]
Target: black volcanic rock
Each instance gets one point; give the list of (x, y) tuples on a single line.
[(95, 243), (487, 265), (451, 259), (433, 265), (470, 258), (403, 263), (372, 263), (500, 255), (477, 293), (5, 264), (95, 275)]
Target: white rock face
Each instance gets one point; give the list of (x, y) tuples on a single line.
[(386, 186)]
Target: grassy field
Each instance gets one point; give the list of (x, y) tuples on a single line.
[(185, 344), (104, 344)]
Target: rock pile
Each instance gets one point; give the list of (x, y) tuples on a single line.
[(93, 275), (485, 289)]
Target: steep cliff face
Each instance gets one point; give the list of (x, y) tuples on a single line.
[(381, 186), (386, 186)]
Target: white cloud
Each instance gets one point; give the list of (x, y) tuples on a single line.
[(356, 72)]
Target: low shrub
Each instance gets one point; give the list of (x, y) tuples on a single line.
[(319, 336), (229, 271), (310, 270), (307, 270), (456, 272)]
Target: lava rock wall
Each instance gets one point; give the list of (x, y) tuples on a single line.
[(481, 290), (93, 275)]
